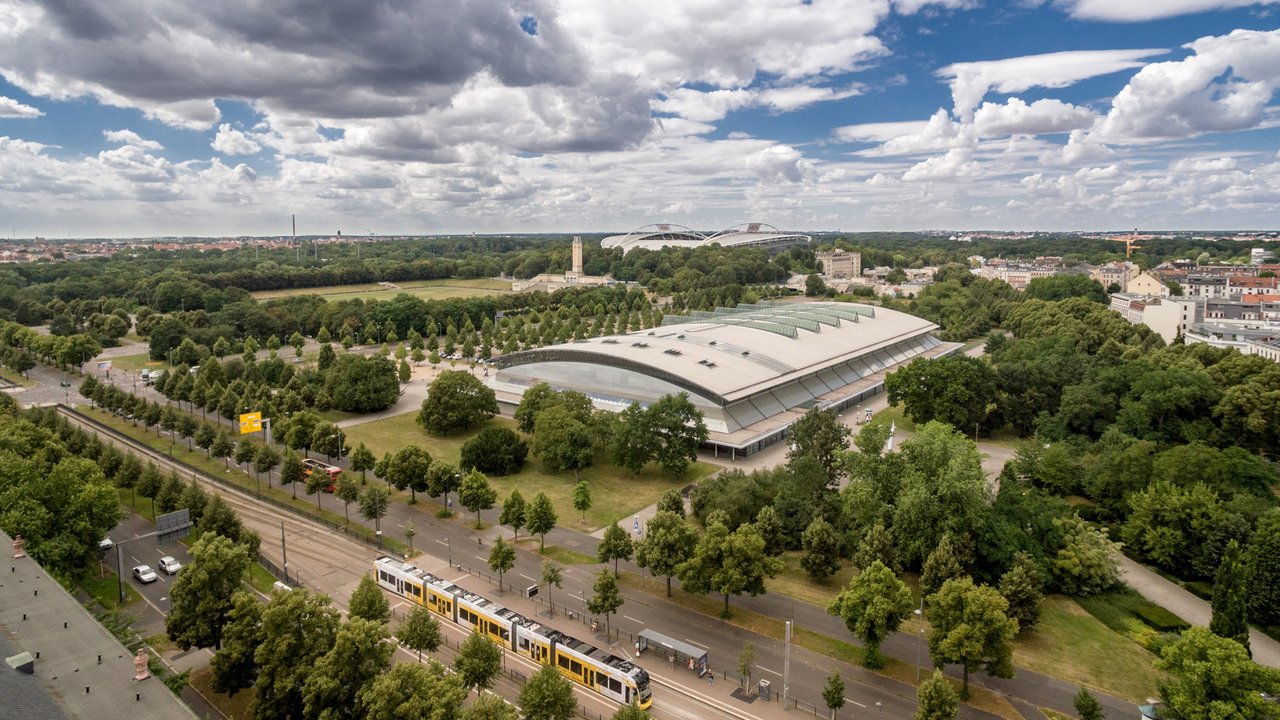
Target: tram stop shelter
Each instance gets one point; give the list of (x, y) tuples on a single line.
[(692, 656)]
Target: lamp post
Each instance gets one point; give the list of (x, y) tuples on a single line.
[(920, 614), (879, 709), (449, 542)]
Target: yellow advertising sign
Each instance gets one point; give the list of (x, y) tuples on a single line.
[(250, 423)]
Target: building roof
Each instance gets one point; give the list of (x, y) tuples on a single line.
[(731, 354), (33, 611), (653, 237)]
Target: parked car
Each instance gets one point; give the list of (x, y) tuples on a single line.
[(170, 565), (144, 574), (106, 543), (65, 383)]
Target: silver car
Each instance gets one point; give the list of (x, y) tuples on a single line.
[(170, 565), (144, 574)]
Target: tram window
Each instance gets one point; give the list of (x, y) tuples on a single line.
[(575, 667), (563, 662), (615, 685), (524, 644), (506, 634)]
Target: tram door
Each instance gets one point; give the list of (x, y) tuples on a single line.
[(589, 677)]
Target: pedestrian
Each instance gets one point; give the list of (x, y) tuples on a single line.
[(479, 542), (711, 677)]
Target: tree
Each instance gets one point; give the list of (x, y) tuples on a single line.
[(820, 545), (456, 400), (360, 653), (362, 384), (1021, 587), (1087, 706), (833, 692), (442, 478), (562, 440), (149, 484), (1086, 563), (532, 403), (582, 498), (292, 471), (513, 512), (170, 493), (205, 437), (408, 469), (936, 699), (1230, 612), (373, 506), (494, 451), (746, 663), (368, 602), (1262, 570), (814, 285), (194, 499), (728, 563), (671, 501), (362, 460), (552, 576), (876, 544), (606, 598), (941, 566), (476, 494), (942, 489), (958, 390), (1212, 677), (540, 518), (412, 691), (548, 696), (223, 446), (348, 492), (490, 707), (201, 595), (872, 607), (502, 557), (266, 460), (669, 541), (421, 631), (634, 443), (234, 667), (820, 435), (679, 430), (479, 661), (630, 712), (971, 627), (410, 531), (615, 545), (298, 628)]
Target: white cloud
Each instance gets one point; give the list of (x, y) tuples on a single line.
[(1143, 10), (939, 133), (971, 81), (910, 7), (957, 162), (704, 106), (10, 108), (786, 99), (230, 141), (880, 131), (1040, 117), (1225, 85), (129, 137), (1204, 165)]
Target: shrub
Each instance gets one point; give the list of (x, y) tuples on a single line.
[(494, 451)]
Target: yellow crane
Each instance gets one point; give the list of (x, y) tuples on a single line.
[(1130, 243)]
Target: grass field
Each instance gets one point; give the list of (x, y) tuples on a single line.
[(794, 582), (235, 708), (1072, 644), (134, 363), (16, 378), (106, 589), (615, 493), (425, 289)]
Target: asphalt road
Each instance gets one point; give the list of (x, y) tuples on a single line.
[(134, 549)]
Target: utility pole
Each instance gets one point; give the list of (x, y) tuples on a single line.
[(786, 666), (284, 552)]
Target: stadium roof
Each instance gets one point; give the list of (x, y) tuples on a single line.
[(732, 354), (653, 237)]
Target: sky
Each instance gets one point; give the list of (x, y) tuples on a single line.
[(136, 118)]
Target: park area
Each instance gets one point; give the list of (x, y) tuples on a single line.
[(425, 289), (615, 493)]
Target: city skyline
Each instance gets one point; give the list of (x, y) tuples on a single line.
[(149, 119)]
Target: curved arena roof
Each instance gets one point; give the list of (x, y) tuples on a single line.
[(740, 366), (653, 237)]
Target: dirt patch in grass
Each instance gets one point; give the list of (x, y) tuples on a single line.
[(615, 493)]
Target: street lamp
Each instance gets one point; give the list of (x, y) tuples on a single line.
[(920, 614), (449, 542), (879, 709)]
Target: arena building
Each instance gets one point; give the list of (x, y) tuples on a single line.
[(654, 237), (752, 370)]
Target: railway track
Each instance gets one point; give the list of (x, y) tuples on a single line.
[(333, 563)]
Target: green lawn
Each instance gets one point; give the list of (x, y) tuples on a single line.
[(239, 707), (259, 579), (564, 556), (615, 493), (425, 289), (134, 363), (1072, 644), (794, 582), (105, 588), (16, 378)]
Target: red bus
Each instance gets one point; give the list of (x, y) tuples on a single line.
[(333, 471)]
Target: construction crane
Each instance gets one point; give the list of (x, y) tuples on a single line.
[(1130, 243)]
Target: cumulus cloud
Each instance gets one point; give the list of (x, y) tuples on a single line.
[(1042, 116), (230, 141), (971, 81), (879, 131), (910, 7), (713, 105), (1142, 10), (957, 162), (129, 137), (939, 133), (10, 108), (1225, 85)]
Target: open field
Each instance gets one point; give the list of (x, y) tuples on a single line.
[(794, 582), (615, 493), (425, 289)]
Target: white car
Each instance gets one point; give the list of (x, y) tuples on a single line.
[(106, 543), (145, 574), (170, 565)]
